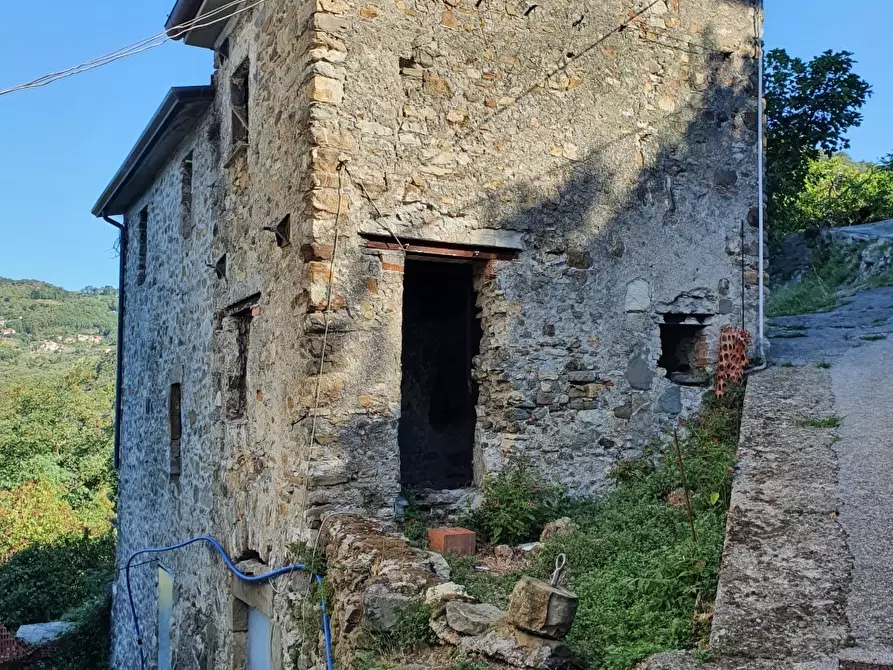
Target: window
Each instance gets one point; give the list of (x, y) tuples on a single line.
[(142, 232), (165, 610), (235, 336), (684, 348), (239, 97), (175, 422), (186, 216)]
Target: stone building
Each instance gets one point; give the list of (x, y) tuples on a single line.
[(395, 243)]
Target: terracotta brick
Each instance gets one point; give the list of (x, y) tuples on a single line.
[(459, 541)]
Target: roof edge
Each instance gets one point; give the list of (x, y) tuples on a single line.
[(176, 100), (183, 11)]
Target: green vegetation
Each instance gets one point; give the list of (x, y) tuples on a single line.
[(830, 421), (645, 584), (874, 338), (817, 290), (411, 632), (516, 505), (41, 313), (809, 108), (57, 483), (823, 365)]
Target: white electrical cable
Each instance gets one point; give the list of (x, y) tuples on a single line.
[(141, 46)]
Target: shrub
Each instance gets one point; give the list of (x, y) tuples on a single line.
[(45, 582), (33, 513), (516, 505)]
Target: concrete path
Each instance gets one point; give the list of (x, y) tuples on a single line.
[(856, 340)]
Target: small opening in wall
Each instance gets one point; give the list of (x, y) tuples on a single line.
[(282, 230), (441, 336), (220, 267), (239, 98), (142, 229), (186, 217), (684, 352), (175, 426), (235, 329)]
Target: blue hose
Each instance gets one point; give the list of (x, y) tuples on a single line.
[(251, 579)]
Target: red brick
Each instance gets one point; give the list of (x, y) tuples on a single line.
[(452, 541)]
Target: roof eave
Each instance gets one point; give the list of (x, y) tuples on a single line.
[(193, 98), (205, 36)]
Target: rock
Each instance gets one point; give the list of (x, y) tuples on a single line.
[(639, 374), (503, 552), (542, 609), (638, 296), (471, 618), (530, 546), (38, 634), (670, 401), (560, 526), (383, 607), (519, 649), (446, 591), (439, 565)]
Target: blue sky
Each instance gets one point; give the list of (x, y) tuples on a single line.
[(60, 145)]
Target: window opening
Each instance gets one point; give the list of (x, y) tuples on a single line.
[(684, 349), (441, 336), (142, 228), (175, 424), (186, 215), (239, 97), (236, 331)]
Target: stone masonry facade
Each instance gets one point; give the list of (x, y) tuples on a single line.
[(613, 141)]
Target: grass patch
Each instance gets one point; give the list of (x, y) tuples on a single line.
[(874, 338), (645, 584), (787, 364), (486, 586), (830, 421), (383, 650), (816, 290), (880, 321), (823, 365), (789, 335)]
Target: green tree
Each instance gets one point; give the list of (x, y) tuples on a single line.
[(809, 108), (838, 191)]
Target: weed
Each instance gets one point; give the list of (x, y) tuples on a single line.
[(516, 505), (469, 664), (411, 631), (816, 290), (644, 585), (874, 338), (880, 321), (415, 521), (311, 558), (823, 365), (789, 335), (830, 421), (787, 364), (484, 586)]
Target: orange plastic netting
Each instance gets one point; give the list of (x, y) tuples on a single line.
[(733, 359)]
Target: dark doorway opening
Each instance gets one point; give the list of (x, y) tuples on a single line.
[(683, 352), (441, 335)]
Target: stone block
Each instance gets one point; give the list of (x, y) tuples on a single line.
[(542, 609), (324, 89), (472, 618), (459, 541)]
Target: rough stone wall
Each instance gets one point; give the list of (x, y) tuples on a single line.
[(620, 145)]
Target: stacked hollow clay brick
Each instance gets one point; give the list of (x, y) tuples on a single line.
[(733, 359)]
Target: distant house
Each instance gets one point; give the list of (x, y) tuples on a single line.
[(6, 332), (95, 339), (49, 345)]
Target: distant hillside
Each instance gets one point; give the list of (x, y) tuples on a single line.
[(44, 328)]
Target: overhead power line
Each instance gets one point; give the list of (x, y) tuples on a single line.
[(141, 46)]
